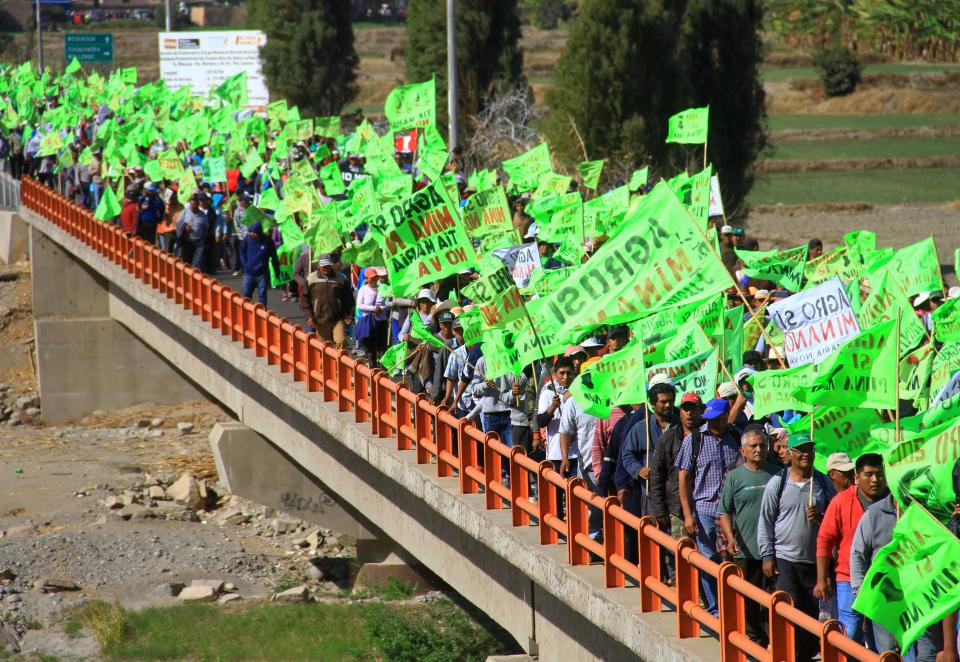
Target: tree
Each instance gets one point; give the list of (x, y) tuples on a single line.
[(629, 65), (309, 58), (489, 60)]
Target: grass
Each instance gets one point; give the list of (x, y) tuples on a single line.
[(781, 74), (875, 148), (274, 632), (882, 187), (810, 122)]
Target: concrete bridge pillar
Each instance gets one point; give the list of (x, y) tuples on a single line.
[(252, 467), (85, 359)]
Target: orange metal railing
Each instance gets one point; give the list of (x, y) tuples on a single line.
[(395, 412)]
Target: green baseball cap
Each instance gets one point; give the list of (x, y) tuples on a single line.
[(796, 440)]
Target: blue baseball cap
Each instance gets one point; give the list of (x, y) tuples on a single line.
[(716, 408)]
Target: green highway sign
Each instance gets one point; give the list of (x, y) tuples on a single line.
[(88, 47)]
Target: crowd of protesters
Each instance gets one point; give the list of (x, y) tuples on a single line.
[(743, 489)]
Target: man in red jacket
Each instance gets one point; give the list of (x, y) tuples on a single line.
[(836, 535)]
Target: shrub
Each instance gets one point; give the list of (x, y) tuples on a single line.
[(439, 633), (107, 623), (839, 70)]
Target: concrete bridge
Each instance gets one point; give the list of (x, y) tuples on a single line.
[(118, 323)]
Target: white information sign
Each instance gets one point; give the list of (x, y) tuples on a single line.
[(203, 60), (521, 261), (814, 322), (716, 202)]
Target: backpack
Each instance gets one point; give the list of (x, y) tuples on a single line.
[(695, 445), (818, 478)]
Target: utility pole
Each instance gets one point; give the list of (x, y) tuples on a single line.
[(168, 10), (39, 39), (452, 73)]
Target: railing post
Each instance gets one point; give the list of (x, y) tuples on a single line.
[(421, 422), (491, 471), (829, 652), (547, 500), (444, 441), (612, 543), (385, 405), (314, 365), (361, 386), (781, 630), (688, 590), (577, 522), (467, 456), (730, 610), (343, 380), (519, 487), (649, 564)]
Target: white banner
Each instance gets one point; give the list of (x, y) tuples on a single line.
[(521, 261), (716, 202), (814, 322), (203, 60)]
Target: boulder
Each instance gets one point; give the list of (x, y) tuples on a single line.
[(186, 491), (198, 594), (295, 594)]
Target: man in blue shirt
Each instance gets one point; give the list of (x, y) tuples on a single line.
[(702, 461), (257, 254)]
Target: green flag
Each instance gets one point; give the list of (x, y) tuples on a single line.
[(526, 169), (563, 216), (129, 75), (785, 268), (287, 254), (411, 106), (639, 178), (922, 467), (946, 321), (837, 262), (73, 67), (836, 429), (915, 268), (214, 169), (422, 238), (914, 580), (321, 230), (915, 370), (590, 173), (332, 179), (613, 380), (109, 206), (234, 89), (773, 389), (432, 155), (480, 180), (689, 126), (393, 357), (691, 374), (885, 303), (496, 296), (862, 372), (472, 325), (486, 213), (658, 259)]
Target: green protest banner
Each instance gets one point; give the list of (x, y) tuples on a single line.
[(332, 180), (526, 169), (914, 580), (287, 254), (564, 217), (419, 331), (570, 251), (639, 178), (922, 467), (658, 259), (703, 382), (836, 429), (785, 268), (214, 169), (914, 373), (411, 106), (679, 342), (496, 296), (689, 126), (945, 364), (915, 268), (773, 389), (393, 357), (471, 323), (51, 144), (885, 303), (835, 263), (432, 154), (109, 206), (735, 338), (861, 244), (487, 213), (499, 356), (862, 372), (327, 127), (697, 364), (422, 238), (481, 180), (251, 164), (941, 412), (552, 184), (545, 281), (946, 321), (321, 230), (234, 89), (611, 381), (590, 173)]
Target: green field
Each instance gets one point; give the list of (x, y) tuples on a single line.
[(876, 148), (882, 187), (781, 74), (810, 122)]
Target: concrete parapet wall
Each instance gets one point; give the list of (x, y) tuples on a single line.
[(14, 237), (503, 570)]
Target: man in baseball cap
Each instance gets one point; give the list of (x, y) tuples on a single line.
[(702, 461)]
